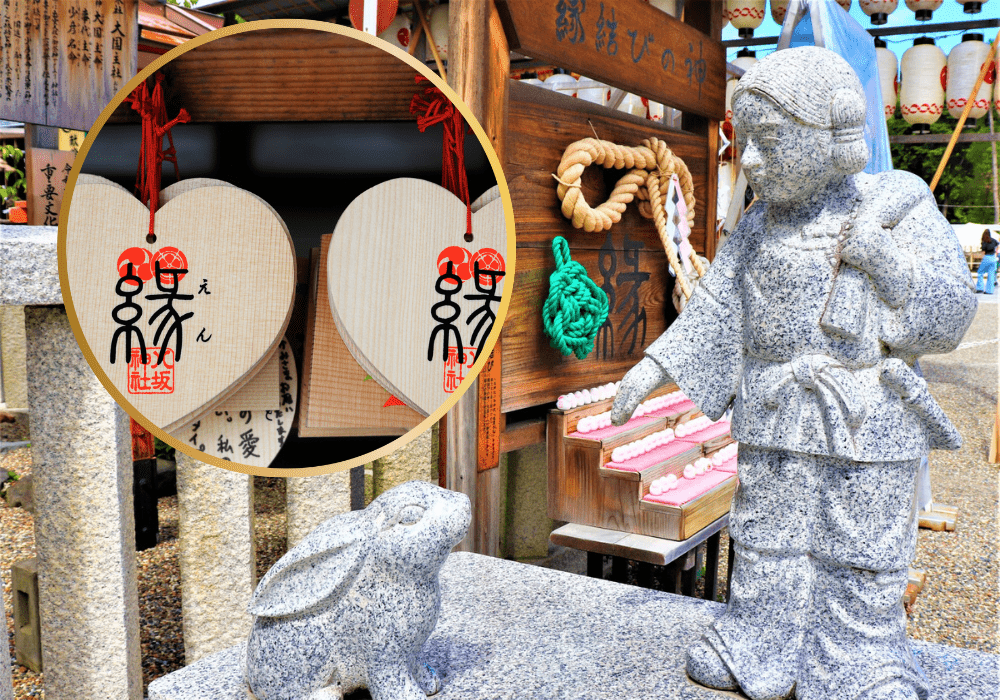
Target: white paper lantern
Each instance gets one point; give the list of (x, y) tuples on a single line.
[(592, 91), (437, 19), (561, 83), (744, 59), (923, 9), (971, 7), (964, 64), (846, 4), (778, 10), (878, 10), (921, 93), (398, 33), (887, 65), (725, 15), (746, 15), (654, 111), (668, 6), (633, 104)]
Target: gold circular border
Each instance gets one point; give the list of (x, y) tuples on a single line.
[(311, 25)]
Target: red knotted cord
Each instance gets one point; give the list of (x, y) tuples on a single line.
[(436, 108), (153, 110)]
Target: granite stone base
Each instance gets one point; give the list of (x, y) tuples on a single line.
[(510, 630)]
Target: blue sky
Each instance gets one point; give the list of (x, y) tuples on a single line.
[(950, 11)]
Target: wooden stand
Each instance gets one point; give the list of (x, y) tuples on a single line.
[(530, 128), (583, 490), (940, 517)]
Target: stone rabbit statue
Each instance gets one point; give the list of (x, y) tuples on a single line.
[(352, 605)]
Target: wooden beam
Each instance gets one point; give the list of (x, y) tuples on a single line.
[(919, 28), (942, 138), (519, 435)]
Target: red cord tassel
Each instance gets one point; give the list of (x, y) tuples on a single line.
[(152, 108), (435, 108)]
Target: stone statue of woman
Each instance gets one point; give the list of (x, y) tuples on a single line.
[(808, 323)]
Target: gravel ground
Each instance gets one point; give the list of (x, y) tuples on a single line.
[(958, 606)]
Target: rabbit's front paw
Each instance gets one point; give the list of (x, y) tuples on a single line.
[(428, 680)]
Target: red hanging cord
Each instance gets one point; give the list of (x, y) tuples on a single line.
[(435, 108), (152, 109)]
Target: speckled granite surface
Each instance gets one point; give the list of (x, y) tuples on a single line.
[(509, 630), (29, 269), (352, 605)]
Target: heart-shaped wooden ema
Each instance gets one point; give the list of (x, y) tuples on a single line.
[(388, 254), (244, 428), (240, 280)]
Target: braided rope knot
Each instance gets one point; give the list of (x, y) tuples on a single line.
[(650, 168), (575, 308)]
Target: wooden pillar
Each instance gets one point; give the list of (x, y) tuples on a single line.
[(706, 17), (478, 70)]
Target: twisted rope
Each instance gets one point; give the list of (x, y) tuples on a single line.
[(650, 168), (575, 308)]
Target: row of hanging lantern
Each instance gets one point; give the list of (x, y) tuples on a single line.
[(747, 15), (932, 83)]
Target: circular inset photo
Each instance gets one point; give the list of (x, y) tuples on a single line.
[(288, 268)]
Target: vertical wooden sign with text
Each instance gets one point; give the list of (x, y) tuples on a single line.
[(62, 61), (47, 174), (488, 413)]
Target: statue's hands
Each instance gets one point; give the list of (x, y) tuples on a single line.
[(871, 248), (636, 385)]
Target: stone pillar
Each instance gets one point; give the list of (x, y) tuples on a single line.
[(6, 685), (312, 499), (84, 527), (414, 461), (216, 555), (15, 393), (527, 525)]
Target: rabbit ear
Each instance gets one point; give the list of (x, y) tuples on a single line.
[(319, 568)]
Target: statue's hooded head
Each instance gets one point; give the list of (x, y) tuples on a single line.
[(817, 88)]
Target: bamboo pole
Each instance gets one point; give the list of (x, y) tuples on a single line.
[(996, 187), (433, 46), (965, 112)]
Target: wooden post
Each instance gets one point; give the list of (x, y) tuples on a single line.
[(706, 17), (478, 70)]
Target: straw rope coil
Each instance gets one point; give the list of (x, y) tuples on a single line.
[(650, 168)]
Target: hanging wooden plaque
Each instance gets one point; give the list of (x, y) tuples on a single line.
[(181, 341)]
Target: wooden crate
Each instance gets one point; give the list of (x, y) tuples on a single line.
[(583, 490)]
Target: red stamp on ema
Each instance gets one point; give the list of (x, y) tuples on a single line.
[(154, 377), (455, 371)]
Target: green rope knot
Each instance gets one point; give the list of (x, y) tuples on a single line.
[(575, 308)]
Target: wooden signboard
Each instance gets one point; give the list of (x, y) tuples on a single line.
[(488, 416), (626, 43), (47, 174), (627, 261), (62, 61), (338, 397)]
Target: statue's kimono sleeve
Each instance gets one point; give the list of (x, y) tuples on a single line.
[(941, 303), (702, 351)]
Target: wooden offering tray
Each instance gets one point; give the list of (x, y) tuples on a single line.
[(588, 488)]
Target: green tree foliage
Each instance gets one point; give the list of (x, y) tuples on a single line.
[(12, 182), (965, 192)]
